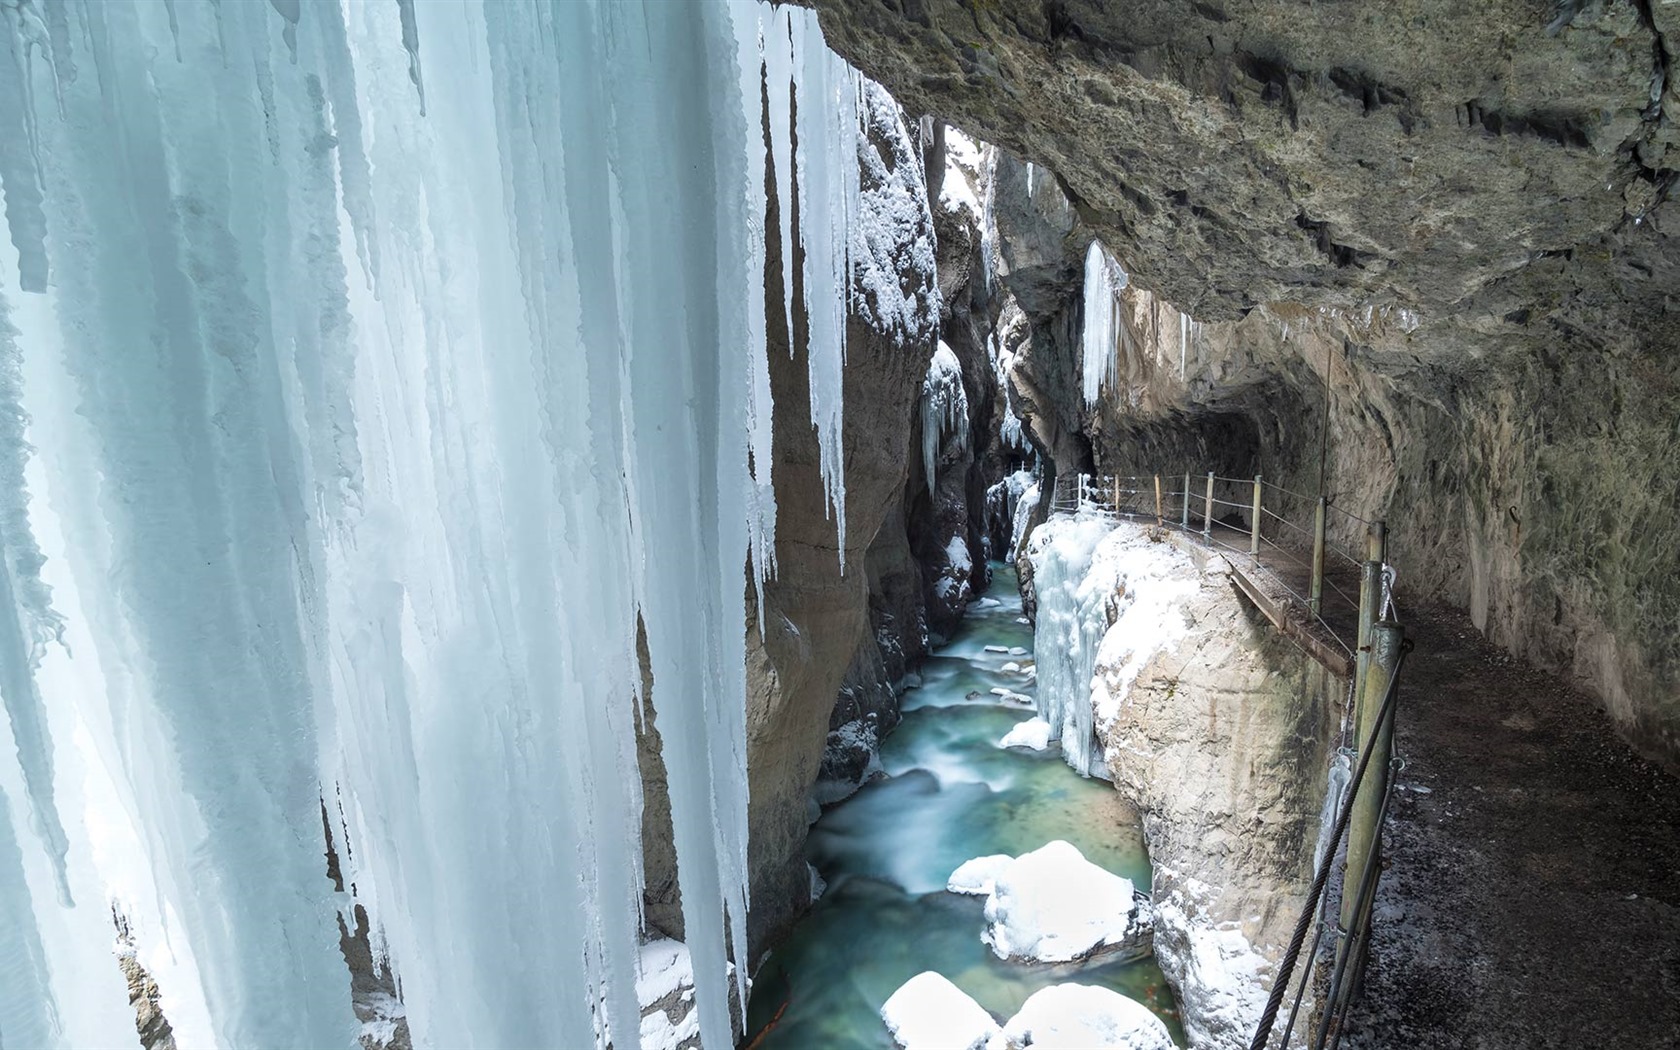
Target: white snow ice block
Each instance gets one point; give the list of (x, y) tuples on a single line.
[(997, 649), (928, 1012), (1016, 650), (1082, 1017), (1011, 668), (976, 877), (1034, 733), (1053, 905)]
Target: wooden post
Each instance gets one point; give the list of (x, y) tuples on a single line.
[(1186, 521), (1254, 525), (1363, 833), (1160, 512), (1315, 600), (1207, 514)]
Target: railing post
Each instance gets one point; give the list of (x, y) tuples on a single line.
[(1207, 514), (1370, 602), (1364, 836), (1116, 497), (1254, 525), (1160, 512), (1315, 599), (1186, 522)]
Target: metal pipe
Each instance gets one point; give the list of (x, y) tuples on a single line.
[(1207, 515), (1363, 832), (1186, 522), (1254, 527), (1370, 599)]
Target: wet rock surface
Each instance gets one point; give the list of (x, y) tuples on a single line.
[(1529, 896)]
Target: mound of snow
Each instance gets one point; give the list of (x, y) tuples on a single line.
[(1034, 733), (1081, 1017), (1053, 905), (977, 876), (928, 1012)]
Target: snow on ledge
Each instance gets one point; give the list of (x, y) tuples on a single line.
[(977, 877), (1034, 733), (1083, 1017), (928, 1012), (1053, 905)]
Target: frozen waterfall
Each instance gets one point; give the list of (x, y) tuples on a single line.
[(1099, 346), (367, 371)]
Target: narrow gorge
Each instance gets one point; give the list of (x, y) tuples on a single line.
[(912, 524)]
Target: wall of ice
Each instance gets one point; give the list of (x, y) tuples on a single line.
[(366, 372)]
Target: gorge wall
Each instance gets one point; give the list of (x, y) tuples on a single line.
[(1432, 240)]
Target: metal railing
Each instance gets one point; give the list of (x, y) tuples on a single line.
[(1257, 526)]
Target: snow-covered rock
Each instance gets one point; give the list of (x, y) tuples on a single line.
[(1034, 733), (1220, 973), (1083, 1017), (977, 877), (1053, 905), (928, 1012)]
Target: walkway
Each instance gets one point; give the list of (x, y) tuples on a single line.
[(1532, 898)]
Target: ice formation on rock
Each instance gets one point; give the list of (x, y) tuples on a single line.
[(1099, 345), (1072, 620), (371, 412), (944, 410)]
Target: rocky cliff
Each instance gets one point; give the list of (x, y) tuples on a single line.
[(1217, 728), (1441, 233)]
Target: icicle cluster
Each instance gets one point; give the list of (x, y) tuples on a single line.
[(1073, 617), (1100, 340), (944, 410), (397, 368)]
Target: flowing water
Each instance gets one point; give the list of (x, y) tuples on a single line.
[(951, 794)]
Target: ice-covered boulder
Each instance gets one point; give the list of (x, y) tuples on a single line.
[(928, 1012), (1083, 1017), (1034, 733), (1053, 905), (977, 877)]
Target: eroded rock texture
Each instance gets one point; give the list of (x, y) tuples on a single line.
[(1444, 229)]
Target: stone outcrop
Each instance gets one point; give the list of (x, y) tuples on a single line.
[(1221, 732)]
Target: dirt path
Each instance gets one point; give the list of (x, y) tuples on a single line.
[(1532, 897)]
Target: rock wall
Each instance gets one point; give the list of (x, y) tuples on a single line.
[(1459, 216), (815, 613)]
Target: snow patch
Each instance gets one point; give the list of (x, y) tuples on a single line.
[(1084, 1017), (928, 1012), (1034, 733), (977, 877), (1053, 905)]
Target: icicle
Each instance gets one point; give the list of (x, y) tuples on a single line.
[(1100, 340), (411, 44), (20, 140), (776, 29), (391, 538), (826, 163), (27, 620)]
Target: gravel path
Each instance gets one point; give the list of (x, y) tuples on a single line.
[(1532, 896)]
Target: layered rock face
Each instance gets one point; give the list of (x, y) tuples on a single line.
[(1443, 231)]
